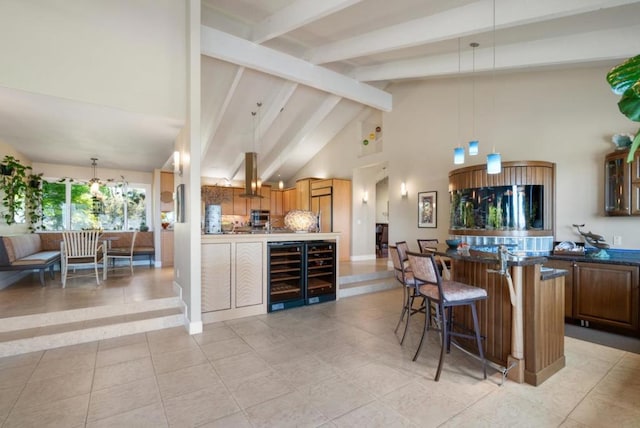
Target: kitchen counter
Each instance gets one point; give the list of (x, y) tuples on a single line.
[(616, 256), (234, 271), (522, 319)]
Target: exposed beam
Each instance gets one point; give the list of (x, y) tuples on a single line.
[(310, 124), (296, 15), (594, 46), (459, 22), (210, 132), (226, 47)]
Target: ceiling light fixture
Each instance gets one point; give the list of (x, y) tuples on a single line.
[(473, 144), (252, 183), (494, 160), (95, 181), (458, 152)]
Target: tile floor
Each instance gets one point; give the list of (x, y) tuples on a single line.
[(337, 364)]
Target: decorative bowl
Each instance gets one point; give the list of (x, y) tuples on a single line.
[(453, 243), (300, 220)]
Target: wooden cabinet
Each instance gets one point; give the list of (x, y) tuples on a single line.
[(332, 200), (303, 193), (568, 284), (622, 184), (239, 203), (289, 200), (166, 242), (166, 191), (276, 202), (605, 294), (263, 203)]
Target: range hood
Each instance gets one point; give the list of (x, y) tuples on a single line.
[(251, 182)]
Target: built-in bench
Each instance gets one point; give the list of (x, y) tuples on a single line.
[(26, 252), (143, 245)]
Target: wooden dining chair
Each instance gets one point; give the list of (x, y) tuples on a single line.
[(113, 254), (80, 249)]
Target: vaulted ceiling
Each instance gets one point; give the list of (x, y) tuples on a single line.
[(283, 77), (314, 66)]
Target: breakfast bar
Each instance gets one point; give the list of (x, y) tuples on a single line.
[(522, 320)]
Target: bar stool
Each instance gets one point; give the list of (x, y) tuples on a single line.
[(405, 277), (446, 294)]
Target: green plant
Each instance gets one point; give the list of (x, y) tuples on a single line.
[(33, 201), (14, 185), (624, 80)]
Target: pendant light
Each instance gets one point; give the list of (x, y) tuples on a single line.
[(458, 152), (252, 183), (473, 144), (494, 160), (95, 181)]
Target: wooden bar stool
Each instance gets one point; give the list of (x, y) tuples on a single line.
[(446, 295), (405, 277)]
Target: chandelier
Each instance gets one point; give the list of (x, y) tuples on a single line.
[(95, 183)]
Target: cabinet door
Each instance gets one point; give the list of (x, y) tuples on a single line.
[(617, 173), (288, 200), (303, 194), (568, 283), (239, 203), (226, 201), (276, 202), (607, 294), (166, 241), (216, 277)]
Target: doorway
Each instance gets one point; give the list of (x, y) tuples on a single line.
[(382, 215)]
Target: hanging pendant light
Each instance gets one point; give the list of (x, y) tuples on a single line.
[(95, 181), (458, 152), (494, 160), (252, 183), (458, 155), (473, 144)]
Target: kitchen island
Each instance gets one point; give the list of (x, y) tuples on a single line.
[(235, 272), (522, 320)]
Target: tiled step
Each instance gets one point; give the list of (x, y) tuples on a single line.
[(51, 330), (367, 286), (368, 276)]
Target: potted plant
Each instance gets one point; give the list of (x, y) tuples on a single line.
[(624, 80), (144, 227)]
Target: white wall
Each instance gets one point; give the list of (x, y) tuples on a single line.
[(128, 54), (563, 116)]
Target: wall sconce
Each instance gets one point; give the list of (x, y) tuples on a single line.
[(458, 155), (365, 197), (494, 163), (473, 148), (177, 164), (403, 189)]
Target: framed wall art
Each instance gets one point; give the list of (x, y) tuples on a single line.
[(180, 204), (427, 213)]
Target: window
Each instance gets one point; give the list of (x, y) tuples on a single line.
[(69, 205)]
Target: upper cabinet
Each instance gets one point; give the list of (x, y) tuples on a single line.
[(622, 184), (166, 191)]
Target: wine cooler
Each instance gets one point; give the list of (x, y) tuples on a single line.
[(286, 275), (321, 272), (301, 273)]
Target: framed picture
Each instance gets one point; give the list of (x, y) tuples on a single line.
[(180, 203), (427, 213)]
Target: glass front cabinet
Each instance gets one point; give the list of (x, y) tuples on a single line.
[(622, 184)]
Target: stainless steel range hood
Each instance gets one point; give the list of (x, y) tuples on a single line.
[(251, 184)]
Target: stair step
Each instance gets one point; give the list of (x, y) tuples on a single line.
[(32, 339), (85, 314), (368, 276), (367, 286)]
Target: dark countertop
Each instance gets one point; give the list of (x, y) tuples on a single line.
[(616, 256), (487, 257)]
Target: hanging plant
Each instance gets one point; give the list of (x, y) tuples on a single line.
[(624, 80), (14, 186), (33, 201)]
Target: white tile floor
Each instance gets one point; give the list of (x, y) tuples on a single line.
[(336, 364)]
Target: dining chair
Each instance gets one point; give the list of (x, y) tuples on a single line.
[(425, 244), (446, 294), (80, 249), (404, 276), (113, 254)]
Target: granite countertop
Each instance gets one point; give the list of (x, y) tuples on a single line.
[(616, 256), (476, 256)]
